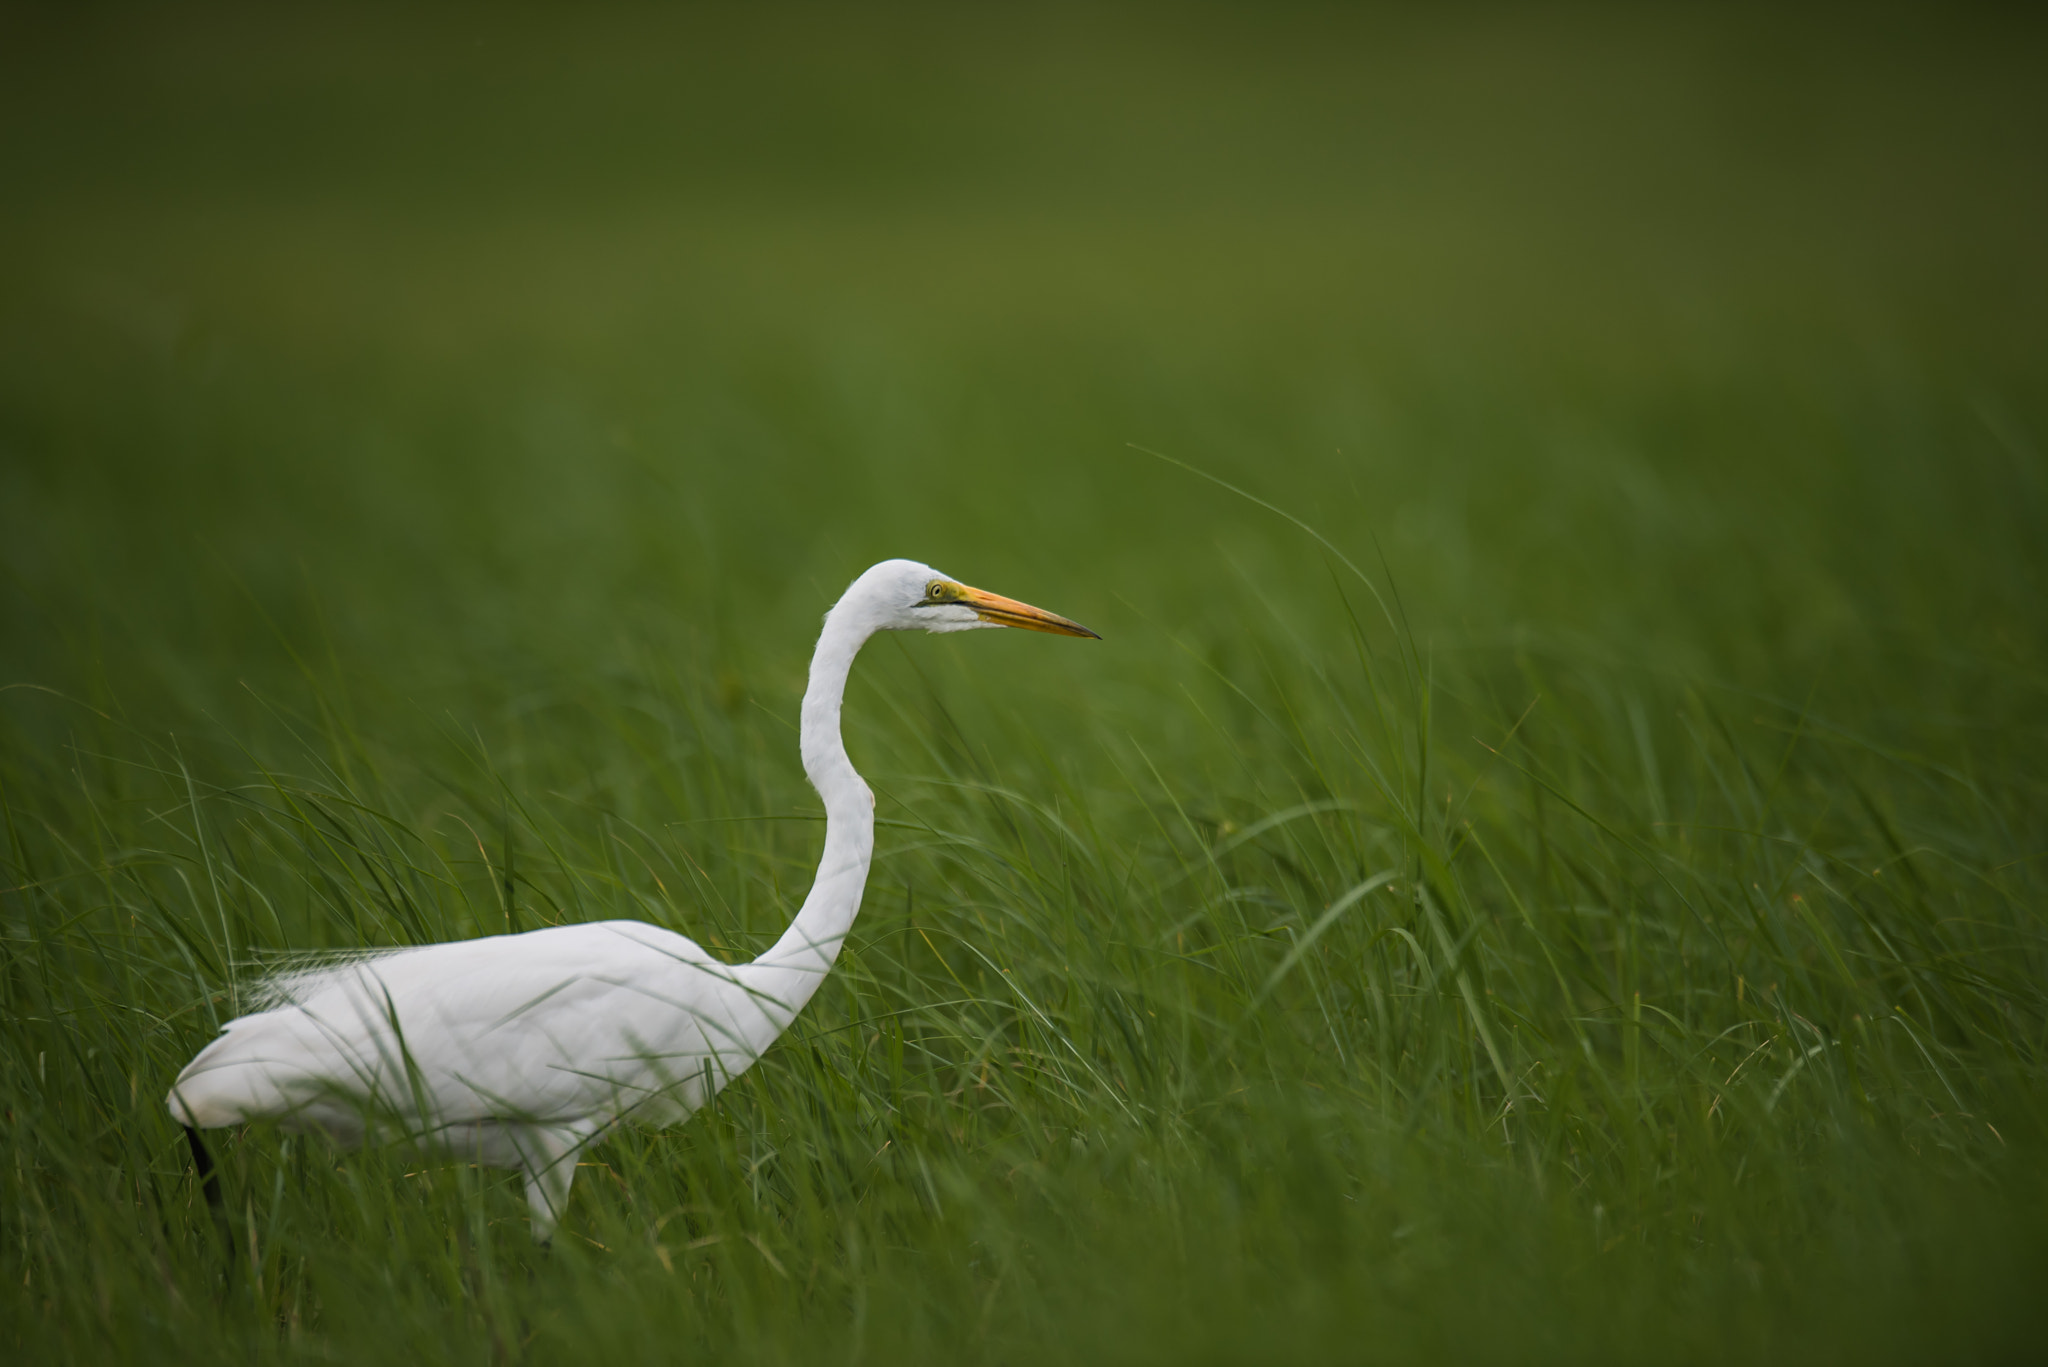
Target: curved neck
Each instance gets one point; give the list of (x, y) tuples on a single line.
[(798, 962)]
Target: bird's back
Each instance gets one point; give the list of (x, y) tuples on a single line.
[(585, 1023)]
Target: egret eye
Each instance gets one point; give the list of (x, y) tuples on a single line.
[(937, 591)]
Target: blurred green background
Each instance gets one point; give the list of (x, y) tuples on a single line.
[(473, 408), (1701, 334)]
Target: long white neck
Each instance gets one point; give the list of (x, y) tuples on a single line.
[(793, 969)]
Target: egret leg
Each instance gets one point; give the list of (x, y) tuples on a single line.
[(209, 1183), (202, 1163), (547, 1155)]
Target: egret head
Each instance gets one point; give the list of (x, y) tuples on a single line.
[(903, 595)]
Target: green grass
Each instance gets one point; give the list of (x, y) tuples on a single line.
[(1609, 926)]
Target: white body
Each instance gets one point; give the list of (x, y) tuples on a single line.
[(518, 1051)]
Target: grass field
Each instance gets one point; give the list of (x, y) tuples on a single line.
[(1554, 869)]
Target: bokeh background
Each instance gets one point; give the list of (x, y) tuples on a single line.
[(478, 405), (1689, 333)]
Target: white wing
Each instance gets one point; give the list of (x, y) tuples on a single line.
[(570, 1025)]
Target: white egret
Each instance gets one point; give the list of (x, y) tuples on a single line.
[(520, 1051)]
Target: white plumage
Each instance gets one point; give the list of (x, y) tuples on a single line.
[(519, 1051)]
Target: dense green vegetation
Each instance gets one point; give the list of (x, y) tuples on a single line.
[(1582, 900)]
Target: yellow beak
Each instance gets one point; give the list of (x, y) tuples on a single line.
[(993, 607)]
